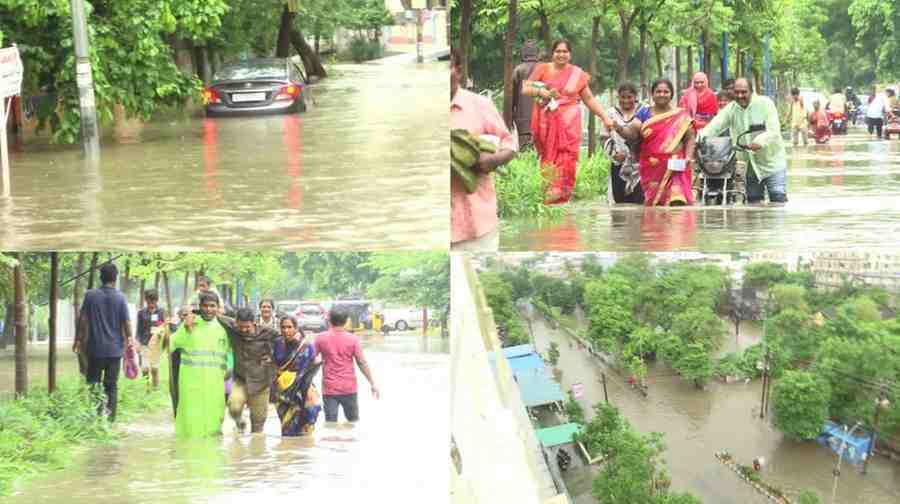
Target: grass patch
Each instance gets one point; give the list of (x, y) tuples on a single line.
[(569, 322), (592, 177), (521, 187), (41, 431)]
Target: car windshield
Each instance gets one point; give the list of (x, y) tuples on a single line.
[(310, 310), (251, 71)]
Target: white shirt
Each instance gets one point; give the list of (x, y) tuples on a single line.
[(876, 108)]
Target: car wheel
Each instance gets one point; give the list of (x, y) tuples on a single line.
[(401, 325)]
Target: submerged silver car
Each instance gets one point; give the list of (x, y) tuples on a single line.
[(267, 85)]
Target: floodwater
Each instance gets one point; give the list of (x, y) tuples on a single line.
[(395, 453), (839, 193), (698, 423), (364, 168)]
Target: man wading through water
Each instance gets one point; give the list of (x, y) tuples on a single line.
[(104, 331), (339, 349), (205, 349), (148, 319), (254, 369)]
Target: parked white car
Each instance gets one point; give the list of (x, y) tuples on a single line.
[(402, 319)]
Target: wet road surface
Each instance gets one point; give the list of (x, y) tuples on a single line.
[(839, 193), (697, 424), (363, 168), (396, 453)]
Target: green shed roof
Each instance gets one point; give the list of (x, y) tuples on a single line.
[(558, 434)]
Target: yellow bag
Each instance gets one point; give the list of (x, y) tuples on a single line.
[(285, 380)]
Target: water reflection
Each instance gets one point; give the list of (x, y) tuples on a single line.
[(396, 453), (839, 193), (363, 168)]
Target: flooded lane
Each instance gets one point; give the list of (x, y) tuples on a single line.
[(396, 453), (363, 168), (697, 424), (839, 193)]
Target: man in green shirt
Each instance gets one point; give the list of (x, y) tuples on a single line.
[(205, 350), (766, 161)]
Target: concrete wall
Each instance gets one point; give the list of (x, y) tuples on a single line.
[(499, 455)]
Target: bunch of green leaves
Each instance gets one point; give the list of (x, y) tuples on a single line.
[(592, 177), (521, 188)]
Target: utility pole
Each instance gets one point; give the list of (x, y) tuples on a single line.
[(837, 468), (54, 314), (879, 403), (605, 394), (90, 136)]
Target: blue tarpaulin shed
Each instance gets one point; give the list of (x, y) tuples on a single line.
[(518, 351), (857, 446), (530, 362), (537, 389)]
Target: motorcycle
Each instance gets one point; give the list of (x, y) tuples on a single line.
[(893, 124), (838, 122)]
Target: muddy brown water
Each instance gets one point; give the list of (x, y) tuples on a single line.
[(839, 193), (363, 168), (696, 424), (396, 453)]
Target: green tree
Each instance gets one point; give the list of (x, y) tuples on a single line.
[(574, 411), (808, 497), (786, 296), (762, 275), (553, 353), (695, 363), (800, 403)]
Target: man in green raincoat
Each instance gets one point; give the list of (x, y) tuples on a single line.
[(205, 350)]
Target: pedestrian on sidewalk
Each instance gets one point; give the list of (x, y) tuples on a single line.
[(254, 368), (148, 321), (105, 326), (339, 350)]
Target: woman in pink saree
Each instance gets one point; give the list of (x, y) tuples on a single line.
[(556, 118), (667, 148)]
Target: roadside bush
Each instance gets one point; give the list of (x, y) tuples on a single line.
[(363, 49)]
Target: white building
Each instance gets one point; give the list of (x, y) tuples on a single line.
[(878, 269)]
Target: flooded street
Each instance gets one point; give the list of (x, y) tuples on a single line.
[(839, 193), (363, 168), (396, 453), (696, 424)]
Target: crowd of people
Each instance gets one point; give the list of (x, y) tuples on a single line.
[(651, 146), (236, 360)]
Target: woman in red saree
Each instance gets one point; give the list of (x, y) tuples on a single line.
[(556, 118), (667, 148), (700, 102)]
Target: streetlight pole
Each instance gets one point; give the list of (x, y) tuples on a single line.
[(837, 467), (90, 138)]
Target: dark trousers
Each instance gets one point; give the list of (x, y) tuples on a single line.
[(618, 188), (346, 401), (874, 125), (105, 369)]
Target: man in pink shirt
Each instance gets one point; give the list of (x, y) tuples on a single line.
[(339, 349), (473, 217)]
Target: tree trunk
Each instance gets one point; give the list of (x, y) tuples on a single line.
[(283, 44), (156, 282), (642, 59), (311, 61), (625, 23), (690, 63), (288, 35), (21, 327), (425, 309), (165, 278), (545, 31), (54, 294), (184, 60), (465, 37), (185, 292), (677, 67), (659, 65), (126, 278), (76, 304), (93, 272), (508, 63), (140, 303), (707, 57), (592, 119), (318, 36)]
